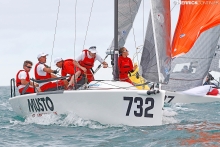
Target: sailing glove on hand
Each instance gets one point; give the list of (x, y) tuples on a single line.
[(129, 74), (55, 72), (137, 75)]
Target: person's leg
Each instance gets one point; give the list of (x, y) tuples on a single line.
[(80, 82), (49, 87), (28, 90), (90, 76), (77, 74)]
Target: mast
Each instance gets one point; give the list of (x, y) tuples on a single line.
[(115, 55)]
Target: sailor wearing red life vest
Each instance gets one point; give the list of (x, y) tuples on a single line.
[(23, 78), (67, 67), (42, 72), (86, 61), (125, 65)]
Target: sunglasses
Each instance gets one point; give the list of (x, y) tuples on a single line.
[(92, 47), (28, 66)]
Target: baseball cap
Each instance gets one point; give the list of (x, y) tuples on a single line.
[(58, 59), (92, 49), (41, 54)]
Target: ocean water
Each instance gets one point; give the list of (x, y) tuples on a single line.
[(183, 125)]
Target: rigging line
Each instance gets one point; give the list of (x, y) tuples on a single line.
[(75, 30), (173, 6), (132, 22), (88, 23), (55, 32)]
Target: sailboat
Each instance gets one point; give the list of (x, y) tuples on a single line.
[(193, 48), (108, 102)]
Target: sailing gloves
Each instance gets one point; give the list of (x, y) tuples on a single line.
[(55, 72)]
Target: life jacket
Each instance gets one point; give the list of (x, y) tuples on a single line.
[(214, 91), (63, 71), (38, 77), (75, 69), (124, 65), (18, 81), (87, 62)]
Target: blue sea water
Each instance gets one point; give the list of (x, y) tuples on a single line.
[(183, 125)]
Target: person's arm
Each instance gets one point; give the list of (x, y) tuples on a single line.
[(24, 82), (75, 76), (132, 68), (79, 66), (34, 84), (48, 70), (105, 64), (52, 72), (22, 76), (80, 58)]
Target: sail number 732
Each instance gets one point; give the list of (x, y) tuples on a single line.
[(140, 110)]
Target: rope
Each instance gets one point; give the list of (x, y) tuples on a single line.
[(88, 24), (55, 32), (132, 24), (137, 52), (75, 31), (173, 6), (74, 53), (118, 86)]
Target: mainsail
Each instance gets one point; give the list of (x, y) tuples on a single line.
[(127, 10), (155, 60), (189, 70), (194, 18)]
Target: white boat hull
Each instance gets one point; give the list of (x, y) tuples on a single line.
[(178, 97), (113, 106)]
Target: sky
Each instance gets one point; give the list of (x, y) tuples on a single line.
[(28, 28)]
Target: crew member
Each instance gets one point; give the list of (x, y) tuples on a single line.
[(125, 65), (67, 67), (86, 59), (43, 72), (23, 82)]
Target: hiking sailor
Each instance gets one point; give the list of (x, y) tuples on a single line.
[(208, 80), (67, 67), (23, 82), (86, 59), (42, 72)]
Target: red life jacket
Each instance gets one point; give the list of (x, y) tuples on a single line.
[(18, 81), (38, 77), (64, 70), (125, 65), (214, 91), (87, 62)]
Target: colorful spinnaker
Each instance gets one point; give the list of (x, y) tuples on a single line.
[(194, 18)]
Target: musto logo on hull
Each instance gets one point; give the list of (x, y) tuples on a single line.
[(40, 104)]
